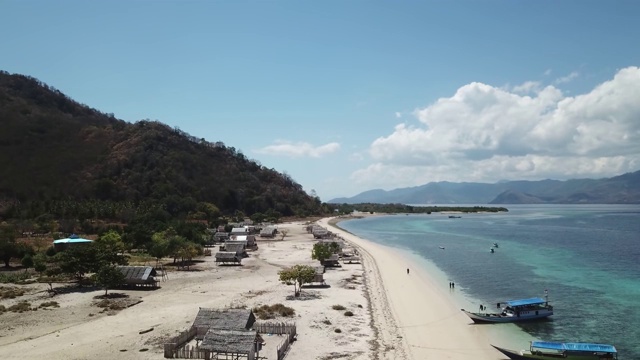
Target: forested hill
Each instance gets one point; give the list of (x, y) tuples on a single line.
[(66, 159)]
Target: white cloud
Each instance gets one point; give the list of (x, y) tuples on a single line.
[(485, 133), (299, 149), (398, 114), (568, 78)]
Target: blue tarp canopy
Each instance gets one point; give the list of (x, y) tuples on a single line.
[(73, 239), (524, 302), (587, 347)]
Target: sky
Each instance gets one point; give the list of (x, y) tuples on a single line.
[(350, 96)]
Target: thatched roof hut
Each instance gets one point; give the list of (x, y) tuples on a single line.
[(221, 236), (232, 342), (333, 260), (236, 247), (269, 231), (226, 257), (319, 277), (227, 319), (139, 275), (250, 240), (240, 231)]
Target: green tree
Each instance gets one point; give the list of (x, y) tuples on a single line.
[(27, 261), (40, 263), (109, 276), (297, 275), (321, 251), (112, 240), (8, 246), (159, 246)]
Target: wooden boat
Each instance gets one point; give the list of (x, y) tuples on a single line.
[(559, 350), (515, 311), (495, 245), (491, 250), (454, 217)]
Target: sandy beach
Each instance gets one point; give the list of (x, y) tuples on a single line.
[(395, 315)]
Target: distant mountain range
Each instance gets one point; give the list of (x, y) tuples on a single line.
[(623, 189)]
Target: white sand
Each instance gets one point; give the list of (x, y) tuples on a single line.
[(415, 316), (407, 317)]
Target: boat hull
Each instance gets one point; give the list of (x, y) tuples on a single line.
[(492, 318), (513, 355)]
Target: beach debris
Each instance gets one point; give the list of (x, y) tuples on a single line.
[(145, 331)]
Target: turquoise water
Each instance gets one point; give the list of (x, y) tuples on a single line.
[(586, 256)]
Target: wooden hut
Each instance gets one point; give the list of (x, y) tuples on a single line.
[(319, 277), (250, 241), (332, 261), (143, 276), (234, 343), (222, 319), (221, 236), (238, 247), (269, 231), (320, 233), (228, 257), (239, 231)]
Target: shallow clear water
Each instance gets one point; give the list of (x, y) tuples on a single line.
[(586, 256)]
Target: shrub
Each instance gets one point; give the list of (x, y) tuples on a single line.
[(15, 278), (265, 312), (20, 307), (326, 322), (348, 313), (338, 331), (10, 292), (338, 307), (49, 304)]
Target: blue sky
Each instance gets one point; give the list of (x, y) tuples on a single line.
[(348, 96)]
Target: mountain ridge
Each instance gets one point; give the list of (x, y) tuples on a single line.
[(621, 189)]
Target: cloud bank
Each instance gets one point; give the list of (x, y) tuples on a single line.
[(485, 133), (299, 149)]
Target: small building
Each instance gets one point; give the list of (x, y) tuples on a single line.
[(221, 236), (234, 343), (228, 257), (269, 231), (222, 319), (332, 261), (239, 247), (143, 276), (320, 233), (250, 241), (239, 231), (319, 277)]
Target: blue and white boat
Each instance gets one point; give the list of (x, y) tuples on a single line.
[(515, 310), (560, 350)]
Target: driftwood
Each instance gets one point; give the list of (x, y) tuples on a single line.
[(145, 331)]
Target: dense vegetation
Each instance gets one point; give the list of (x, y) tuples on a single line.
[(63, 160)]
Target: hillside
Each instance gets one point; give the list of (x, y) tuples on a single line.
[(623, 189), (56, 153)]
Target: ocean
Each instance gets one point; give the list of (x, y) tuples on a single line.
[(586, 256)]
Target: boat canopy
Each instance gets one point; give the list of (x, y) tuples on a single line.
[(574, 346), (525, 302)]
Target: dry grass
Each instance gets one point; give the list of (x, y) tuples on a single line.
[(265, 312), (20, 307), (338, 307), (49, 304), (10, 292)]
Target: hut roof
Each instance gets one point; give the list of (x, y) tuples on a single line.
[(227, 319), (237, 241), (229, 341), (235, 248), (137, 272), (240, 230), (221, 234), (226, 255)]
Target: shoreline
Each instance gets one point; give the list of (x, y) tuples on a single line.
[(442, 331)]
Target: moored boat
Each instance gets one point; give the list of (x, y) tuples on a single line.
[(515, 310), (560, 350)]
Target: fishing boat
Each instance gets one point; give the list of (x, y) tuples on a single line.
[(515, 311), (454, 217), (495, 245), (559, 350), (491, 250)]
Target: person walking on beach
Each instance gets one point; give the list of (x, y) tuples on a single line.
[(407, 271)]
